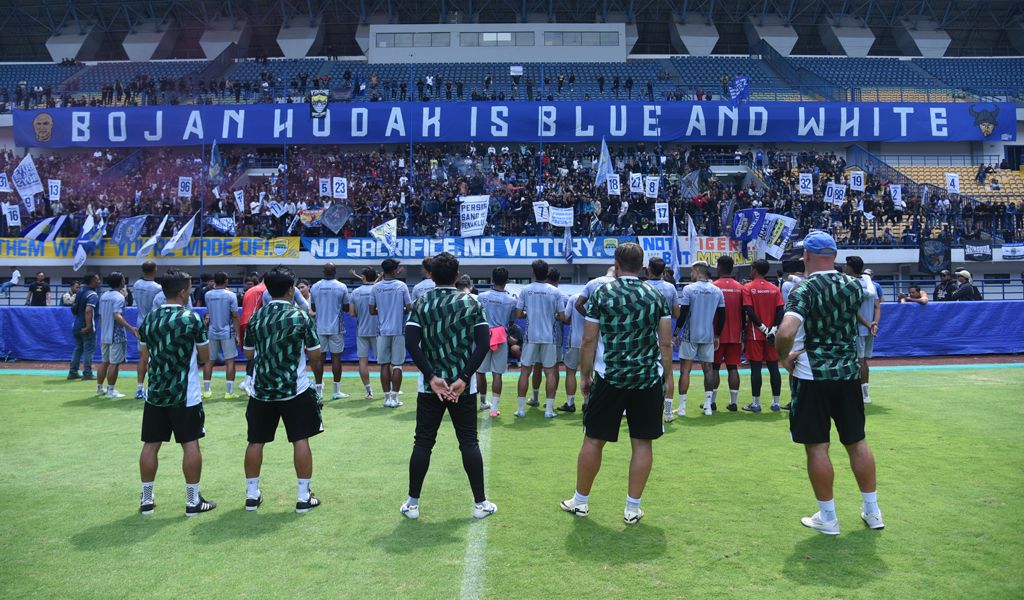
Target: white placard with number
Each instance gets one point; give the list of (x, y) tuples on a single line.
[(53, 189), (857, 181), (184, 187), (953, 183), (542, 212), (896, 190), (613, 183), (325, 186), (835, 193), (5, 183), (652, 183), (13, 215), (636, 183), (661, 213), (339, 188), (806, 184)]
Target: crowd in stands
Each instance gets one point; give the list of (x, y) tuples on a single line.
[(422, 191)]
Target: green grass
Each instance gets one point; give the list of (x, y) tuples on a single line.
[(723, 505)]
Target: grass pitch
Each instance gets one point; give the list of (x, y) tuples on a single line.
[(723, 504)]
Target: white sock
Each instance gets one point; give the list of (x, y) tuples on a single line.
[(668, 405), (388, 396), (864, 390), (632, 503), (522, 404), (714, 396), (230, 386), (303, 490), (580, 498), (252, 487), (337, 387), (206, 385), (99, 388), (536, 395), (757, 401), (494, 402), (319, 388), (682, 401), (828, 509), (191, 494), (147, 492), (369, 390), (570, 400), (734, 395), (549, 406), (138, 388), (870, 502), (709, 397), (775, 400)]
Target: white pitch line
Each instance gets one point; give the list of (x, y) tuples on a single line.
[(475, 561)]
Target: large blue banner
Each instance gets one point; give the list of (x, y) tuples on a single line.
[(551, 248), (381, 122)]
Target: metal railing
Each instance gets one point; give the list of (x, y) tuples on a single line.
[(940, 160)]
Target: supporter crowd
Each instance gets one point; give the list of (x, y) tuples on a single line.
[(422, 191)]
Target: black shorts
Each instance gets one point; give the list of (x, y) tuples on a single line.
[(602, 415), (187, 423), (817, 403), (301, 417)]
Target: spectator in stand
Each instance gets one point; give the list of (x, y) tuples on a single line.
[(946, 286), (915, 295), (966, 291), (68, 299)]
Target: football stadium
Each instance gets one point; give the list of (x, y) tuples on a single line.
[(605, 298)]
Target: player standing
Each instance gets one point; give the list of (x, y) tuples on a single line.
[(762, 303), (367, 328), (224, 330), (113, 342), (868, 317), (656, 271), (390, 302), (85, 310), (542, 304), (427, 284), (278, 340), (252, 300), (627, 341), (172, 342), (331, 299), (447, 336), (818, 338), (701, 318), (144, 291), (730, 344), (499, 306), (571, 358)]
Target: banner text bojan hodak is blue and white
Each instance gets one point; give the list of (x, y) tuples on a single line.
[(378, 122)]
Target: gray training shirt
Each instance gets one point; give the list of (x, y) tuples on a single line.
[(329, 295), (498, 307), (422, 288), (391, 296), (704, 299), (144, 291), (576, 322), (867, 306), (111, 303), (542, 302), (366, 324), (220, 305), (667, 289)]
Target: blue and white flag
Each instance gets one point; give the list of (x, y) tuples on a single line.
[(216, 170), (387, 233), (604, 165), (689, 186), (240, 201), (26, 179), (47, 229), (739, 89), (180, 239), (677, 263), (568, 254), (128, 230), (222, 224), (91, 233), (152, 241), (747, 225), (276, 208), (691, 236)]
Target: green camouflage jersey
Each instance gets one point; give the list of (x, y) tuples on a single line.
[(826, 304), (447, 317), (170, 334), (628, 312), (280, 334)]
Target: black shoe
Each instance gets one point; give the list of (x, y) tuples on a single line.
[(308, 505), (252, 504), (74, 375), (88, 376), (570, 408), (731, 407), (787, 406), (147, 509), (203, 506), (714, 407), (532, 402)]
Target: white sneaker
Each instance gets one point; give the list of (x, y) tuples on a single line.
[(681, 411), (520, 413), (484, 405), (873, 521), (484, 509), (707, 409), (632, 517), (669, 417), (580, 509), (115, 394), (411, 511), (815, 522), (550, 415), (867, 399), (338, 396)]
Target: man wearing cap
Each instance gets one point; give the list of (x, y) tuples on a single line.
[(945, 288), (966, 291), (868, 316), (818, 340), (390, 301)]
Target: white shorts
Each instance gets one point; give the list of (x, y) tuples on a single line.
[(571, 358), (544, 354), (332, 342), (496, 361), (391, 350), (227, 347), (363, 345), (113, 352), (865, 346), (697, 351)]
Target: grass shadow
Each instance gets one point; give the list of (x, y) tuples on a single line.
[(408, 536), (128, 530), (846, 561), (589, 540), (94, 400), (238, 524)]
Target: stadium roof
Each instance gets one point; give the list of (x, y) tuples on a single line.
[(977, 27)]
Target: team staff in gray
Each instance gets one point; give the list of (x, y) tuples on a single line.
[(367, 328), (499, 306), (391, 301), (144, 291), (224, 327), (542, 304), (427, 284), (331, 301), (113, 342)]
